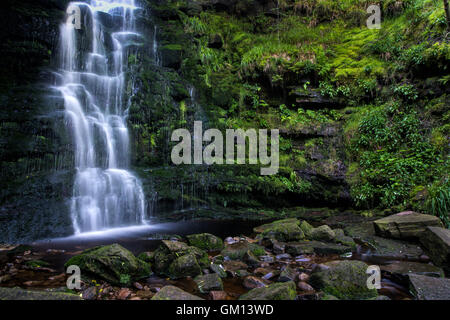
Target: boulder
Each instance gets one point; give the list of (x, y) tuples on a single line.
[(306, 228), (238, 250), (20, 294), (345, 280), (436, 242), (205, 241), (112, 263), (277, 291), (309, 247), (405, 225), (184, 266), (404, 268), (322, 233), (341, 238), (429, 288), (209, 282), (281, 230), (174, 293)]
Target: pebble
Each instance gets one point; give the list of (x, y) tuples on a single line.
[(138, 286), (124, 294), (303, 286)]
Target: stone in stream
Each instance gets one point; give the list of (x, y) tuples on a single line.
[(174, 293), (20, 294), (251, 259), (322, 233), (281, 230), (112, 263), (437, 244), (176, 259), (345, 280), (341, 238), (288, 274), (184, 266), (237, 251), (209, 282), (309, 247), (206, 241), (304, 287), (234, 266), (218, 295), (252, 282), (429, 288), (404, 268), (219, 269), (405, 225), (277, 291)]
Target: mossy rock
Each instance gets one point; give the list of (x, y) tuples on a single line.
[(209, 282), (322, 233), (282, 230), (174, 294), (277, 291), (21, 294), (306, 228), (36, 264), (346, 280), (112, 263), (184, 266), (237, 251), (206, 241)]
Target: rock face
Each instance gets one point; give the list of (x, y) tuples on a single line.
[(281, 230), (429, 288), (112, 263), (209, 282), (405, 225), (177, 260), (174, 293), (345, 280), (277, 291), (20, 294), (206, 241), (437, 244)]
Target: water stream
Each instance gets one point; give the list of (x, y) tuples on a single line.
[(105, 194)]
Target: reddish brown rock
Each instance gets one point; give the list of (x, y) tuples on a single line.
[(218, 295)]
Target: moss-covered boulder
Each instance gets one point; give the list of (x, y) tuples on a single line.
[(21, 294), (306, 228), (174, 293), (341, 238), (206, 241), (209, 282), (112, 263), (322, 233), (237, 251), (184, 266), (281, 230), (177, 260), (405, 225), (309, 247), (277, 291), (345, 280)]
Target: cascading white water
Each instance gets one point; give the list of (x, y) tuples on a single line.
[(105, 193)]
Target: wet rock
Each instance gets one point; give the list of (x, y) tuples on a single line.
[(429, 288), (237, 251), (219, 269), (184, 266), (251, 259), (306, 228), (303, 277), (304, 287), (322, 233), (124, 294), (283, 256), (218, 295), (281, 230), (174, 293), (309, 247), (267, 258), (138, 286), (252, 282), (345, 280), (437, 244), (341, 238), (287, 274), (20, 294), (234, 266), (404, 268), (277, 291), (242, 273), (209, 282), (90, 293), (278, 247), (206, 241), (112, 263), (405, 225)]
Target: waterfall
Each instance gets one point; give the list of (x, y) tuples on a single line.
[(105, 194)]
